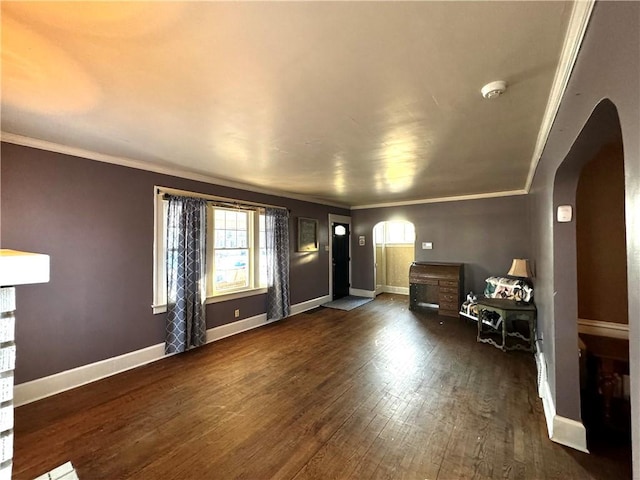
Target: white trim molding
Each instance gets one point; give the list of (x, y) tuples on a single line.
[(396, 290), (60, 382), (603, 329), (309, 305), (569, 433), (356, 292), (562, 430), (150, 167), (457, 198), (576, 30)]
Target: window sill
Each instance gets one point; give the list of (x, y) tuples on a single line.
[(219, 298)]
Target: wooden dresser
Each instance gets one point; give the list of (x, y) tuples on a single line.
[(436, 285)]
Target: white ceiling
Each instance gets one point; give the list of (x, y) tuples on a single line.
[(353, 103)]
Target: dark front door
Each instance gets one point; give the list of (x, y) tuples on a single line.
[(340, 251)]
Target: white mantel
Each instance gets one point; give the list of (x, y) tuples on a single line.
[(16, 268), (20, 268)]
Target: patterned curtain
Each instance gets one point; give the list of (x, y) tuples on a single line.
[(186, 273), (277, 232)]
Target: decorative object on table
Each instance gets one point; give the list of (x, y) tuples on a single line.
[(520, 268), (307, 234), (511, 288), (498, 287)]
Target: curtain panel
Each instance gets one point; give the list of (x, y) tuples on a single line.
[(186, 225), (277, 243)]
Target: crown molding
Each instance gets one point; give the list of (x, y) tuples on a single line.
[(578, 22), (182, 173), (149, 167), (457, 198)]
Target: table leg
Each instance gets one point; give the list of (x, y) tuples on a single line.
[(504, 331), (532, 340)]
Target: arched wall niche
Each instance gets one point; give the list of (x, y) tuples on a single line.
[(601, 130)]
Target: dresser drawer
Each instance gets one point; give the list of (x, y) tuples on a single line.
[(452, 290), (422, 281), (448, 283), (447, 298), (448, 306)]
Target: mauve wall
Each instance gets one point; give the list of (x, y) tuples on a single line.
[(483, 234), (96, 221), (607, 68)]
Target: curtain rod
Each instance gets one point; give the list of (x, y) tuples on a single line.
[(222, 201)]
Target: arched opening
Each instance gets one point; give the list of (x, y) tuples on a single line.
[(590, 281), (394, 251)]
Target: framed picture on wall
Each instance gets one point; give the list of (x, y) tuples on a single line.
[(307, 234)]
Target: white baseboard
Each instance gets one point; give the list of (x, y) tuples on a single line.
[(544, 392), (398, 290), (309, 304), (45, 387), (382, 289), (562, 430), (569, 433), (603, 329), (362, 293)]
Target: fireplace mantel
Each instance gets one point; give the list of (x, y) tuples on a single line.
[(20, 268), (16, 268)]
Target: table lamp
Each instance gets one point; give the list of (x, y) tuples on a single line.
[(520, 268)]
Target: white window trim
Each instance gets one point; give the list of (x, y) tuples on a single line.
[(159, 304)]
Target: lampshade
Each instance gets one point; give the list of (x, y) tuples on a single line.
[(520, 268)]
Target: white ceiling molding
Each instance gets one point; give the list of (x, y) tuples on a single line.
[(176, 172), (576, 30), (149, 167), (458, 198)]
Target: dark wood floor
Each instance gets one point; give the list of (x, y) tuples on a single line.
[(378, 392)]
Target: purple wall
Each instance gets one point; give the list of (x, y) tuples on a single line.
[(608, 67), (483, 234), (95, 220)]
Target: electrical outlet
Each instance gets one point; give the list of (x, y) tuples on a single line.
[(236, 313)]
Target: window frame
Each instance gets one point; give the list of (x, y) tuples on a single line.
[(255, 286), (390, 236)]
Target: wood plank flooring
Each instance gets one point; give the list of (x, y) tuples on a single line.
[(377, 392)]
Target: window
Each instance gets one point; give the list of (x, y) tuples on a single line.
[(236, 253), (398, 232), (230, 250)]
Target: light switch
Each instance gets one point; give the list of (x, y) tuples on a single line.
[(427, 245)]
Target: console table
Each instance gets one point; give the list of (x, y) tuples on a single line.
[(510, 311)]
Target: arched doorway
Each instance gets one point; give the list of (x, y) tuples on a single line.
[(580, 253), (394, 250)]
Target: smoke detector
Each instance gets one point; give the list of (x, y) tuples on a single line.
[(494, 89)]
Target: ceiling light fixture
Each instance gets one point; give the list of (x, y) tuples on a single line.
[(494, 89)]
